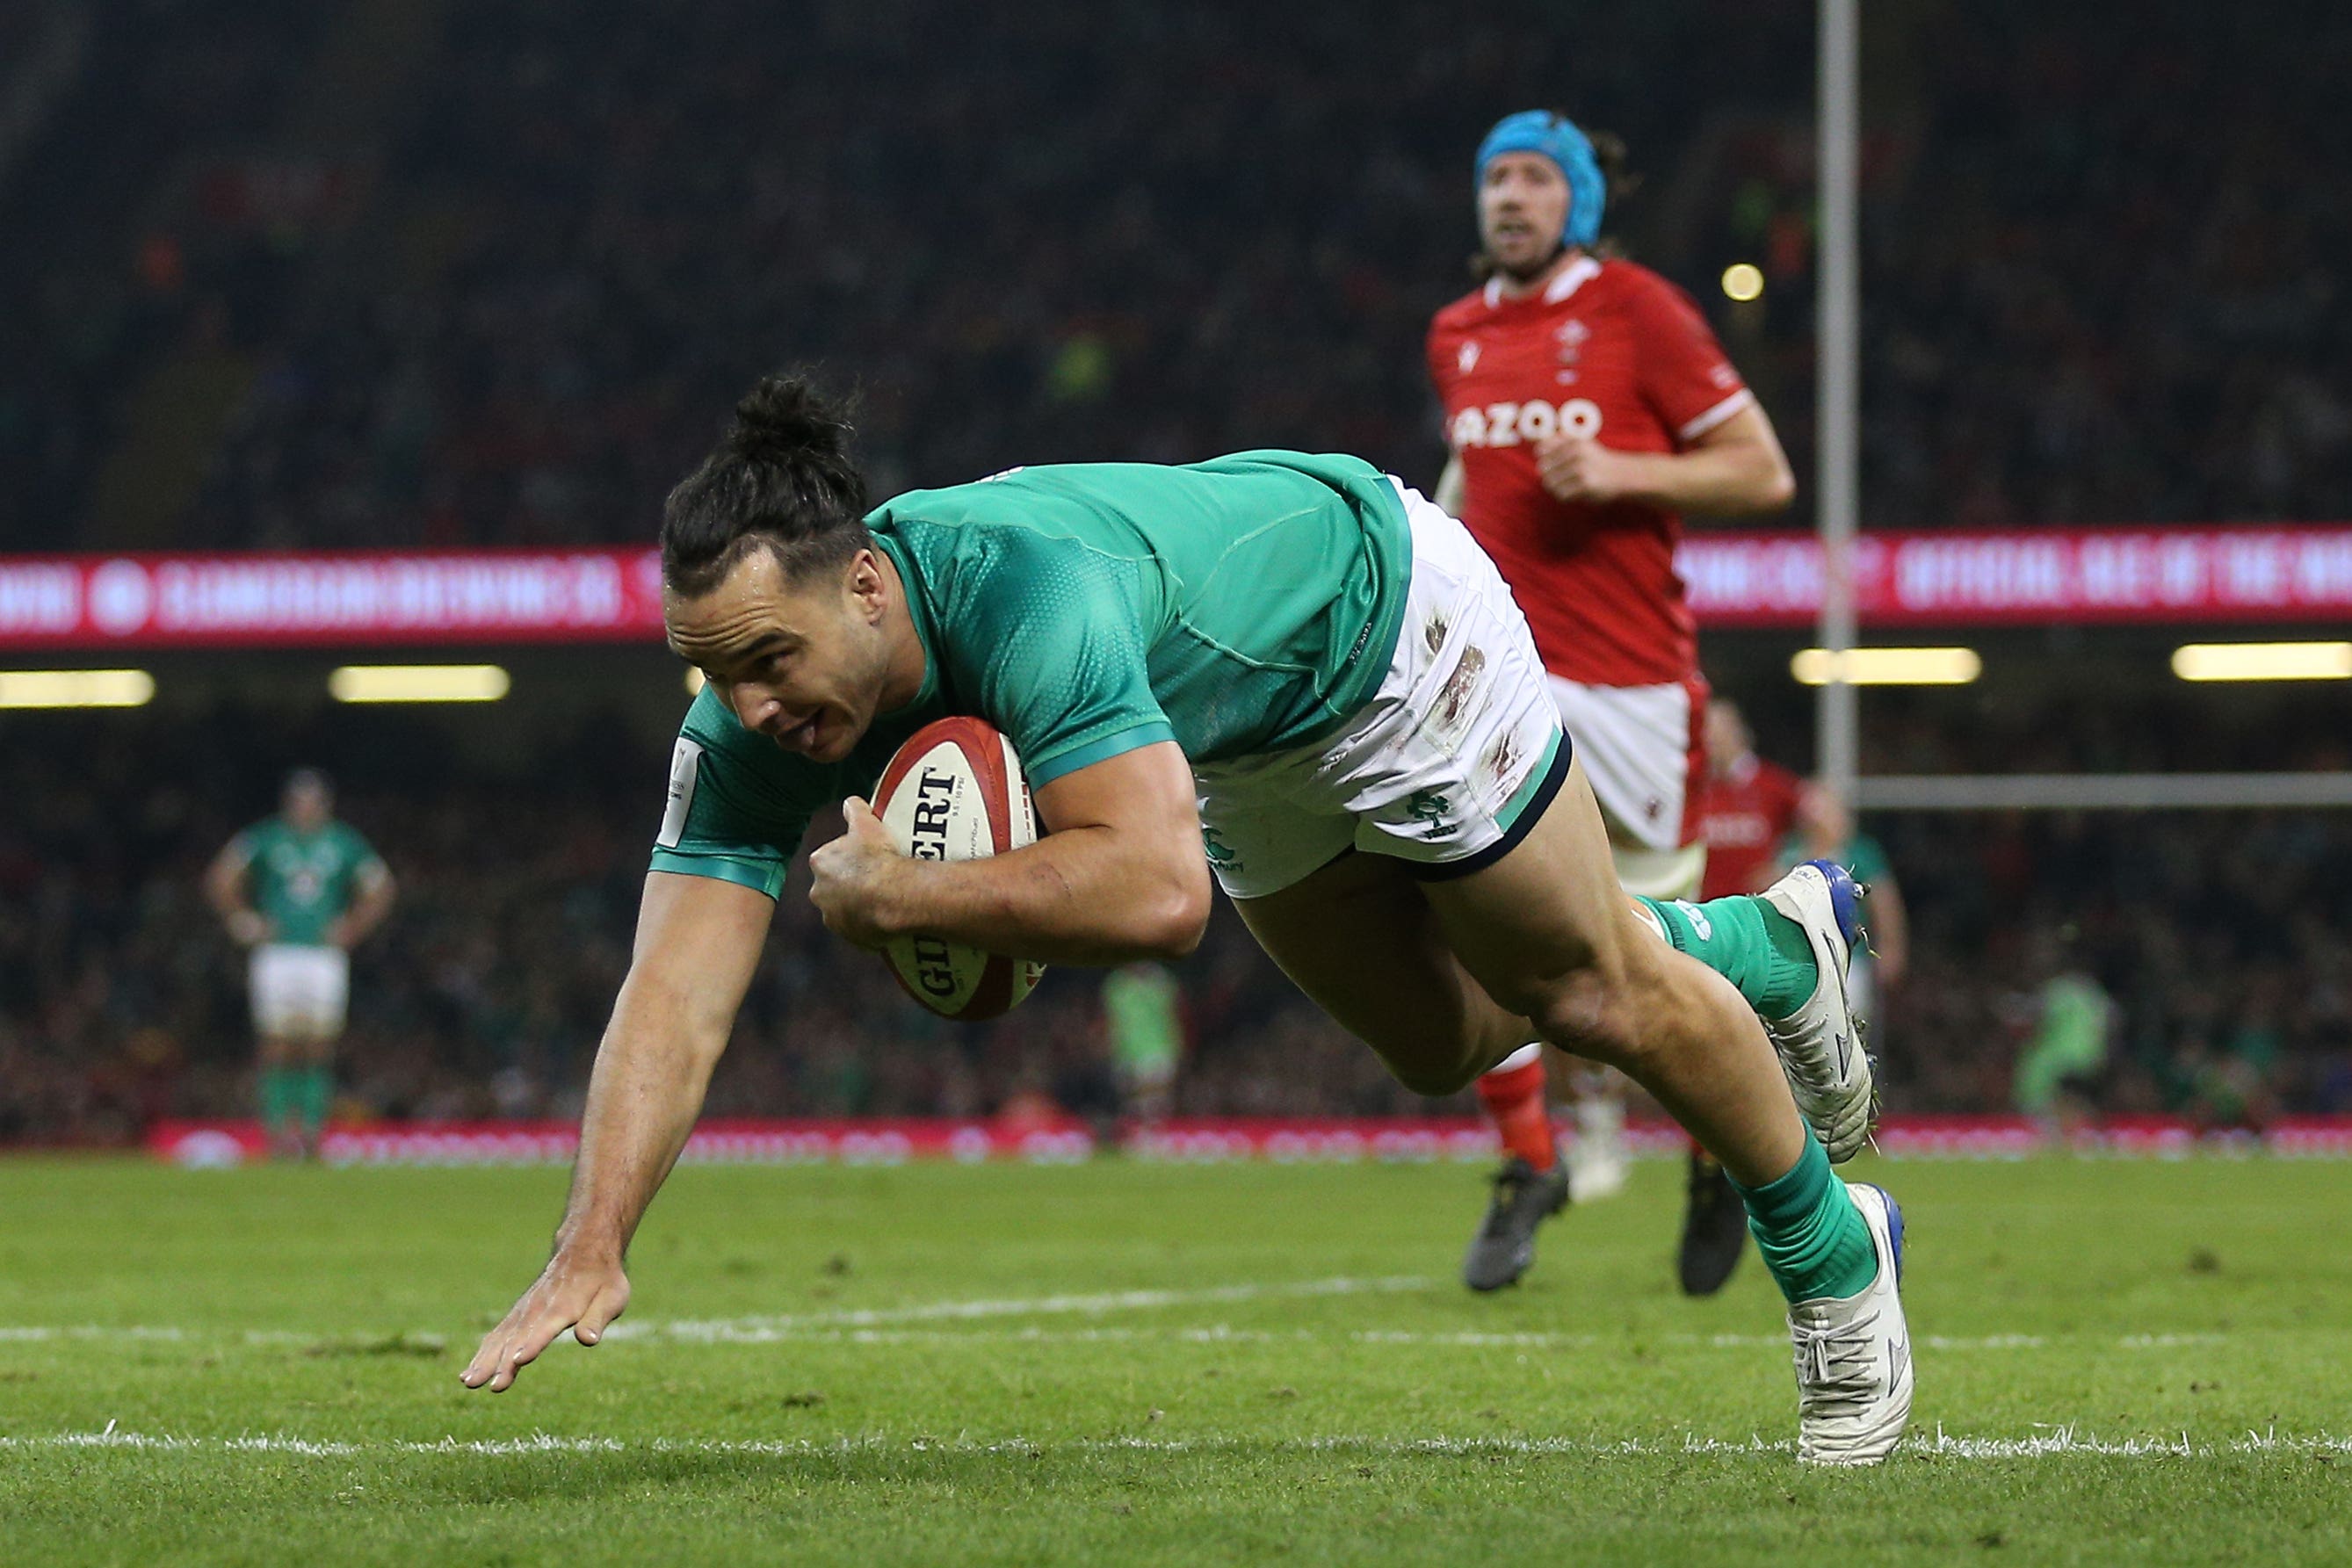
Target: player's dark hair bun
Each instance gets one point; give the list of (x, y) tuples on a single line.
[(781, 479), (786, 419)]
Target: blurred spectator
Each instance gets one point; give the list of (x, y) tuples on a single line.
[(2101, 283), (2224, 937), (2101, 266)]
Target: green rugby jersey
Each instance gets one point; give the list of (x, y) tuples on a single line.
[(303, 882), (1145, 1011), (1236, 607)]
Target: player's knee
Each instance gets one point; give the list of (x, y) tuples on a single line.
[(1585, 1009)]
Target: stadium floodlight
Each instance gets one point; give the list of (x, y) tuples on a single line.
[(2263, 661), (1887, 667), (1743, 281), (418, 684), (76, 688)]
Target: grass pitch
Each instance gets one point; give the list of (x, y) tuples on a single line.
[(1118, 1363)]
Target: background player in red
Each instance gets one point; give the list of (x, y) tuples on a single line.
[(1588, 407), (1758, 819), (1747, 807)]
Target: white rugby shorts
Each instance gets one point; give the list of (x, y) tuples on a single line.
[(1640, 748), (1446, 768), (299, 992)]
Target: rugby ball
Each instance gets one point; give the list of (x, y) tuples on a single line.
[(954, 792)]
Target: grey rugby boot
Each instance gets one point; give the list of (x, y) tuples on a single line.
[(1505, 1247)]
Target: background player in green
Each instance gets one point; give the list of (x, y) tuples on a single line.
[(1304, 661), (1144, 1014), (299, 889), (2071, 1020)]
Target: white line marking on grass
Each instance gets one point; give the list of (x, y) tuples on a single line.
[(2050, 1442), (2169, 1340), (1223, 1333), (759, 1329), (1476, 1341), (1219, 1334), (863, 1327), (2067, 1439)]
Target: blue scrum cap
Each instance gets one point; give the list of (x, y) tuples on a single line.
[(1555, 137)]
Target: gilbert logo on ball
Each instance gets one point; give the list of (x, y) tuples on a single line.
[(954, 792)]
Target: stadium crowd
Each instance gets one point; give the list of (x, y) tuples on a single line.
[(2222, 939), (1160, 232), (497, 286)]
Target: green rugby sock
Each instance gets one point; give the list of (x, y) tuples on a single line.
[(1747, 941), (1809, 1231), (314, 1090), (277, 1093)]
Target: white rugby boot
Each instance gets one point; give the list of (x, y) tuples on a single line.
[(1854, 1355), (1821, 1044)]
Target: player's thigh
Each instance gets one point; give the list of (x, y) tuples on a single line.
[(273, 986), (1360, 939), (331, 998), (1545, 930)]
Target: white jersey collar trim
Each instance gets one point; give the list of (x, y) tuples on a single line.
[(1572, 276)]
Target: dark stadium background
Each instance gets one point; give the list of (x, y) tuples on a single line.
[(391, 273)]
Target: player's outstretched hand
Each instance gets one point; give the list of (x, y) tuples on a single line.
[(851, 877), (568, 1294)]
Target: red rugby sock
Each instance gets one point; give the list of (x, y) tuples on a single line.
[(1514, 1098)]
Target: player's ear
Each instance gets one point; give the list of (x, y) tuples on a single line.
[(864, 584)]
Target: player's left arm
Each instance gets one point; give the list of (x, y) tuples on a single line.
[(1119, 875), (374, 891)]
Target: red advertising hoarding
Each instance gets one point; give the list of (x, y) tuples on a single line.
[(336, 599), (1197, 1140), (2300, 572), (2043, 577)]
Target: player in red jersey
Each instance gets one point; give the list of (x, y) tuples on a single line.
[(1588, 407), (1747, 807)]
